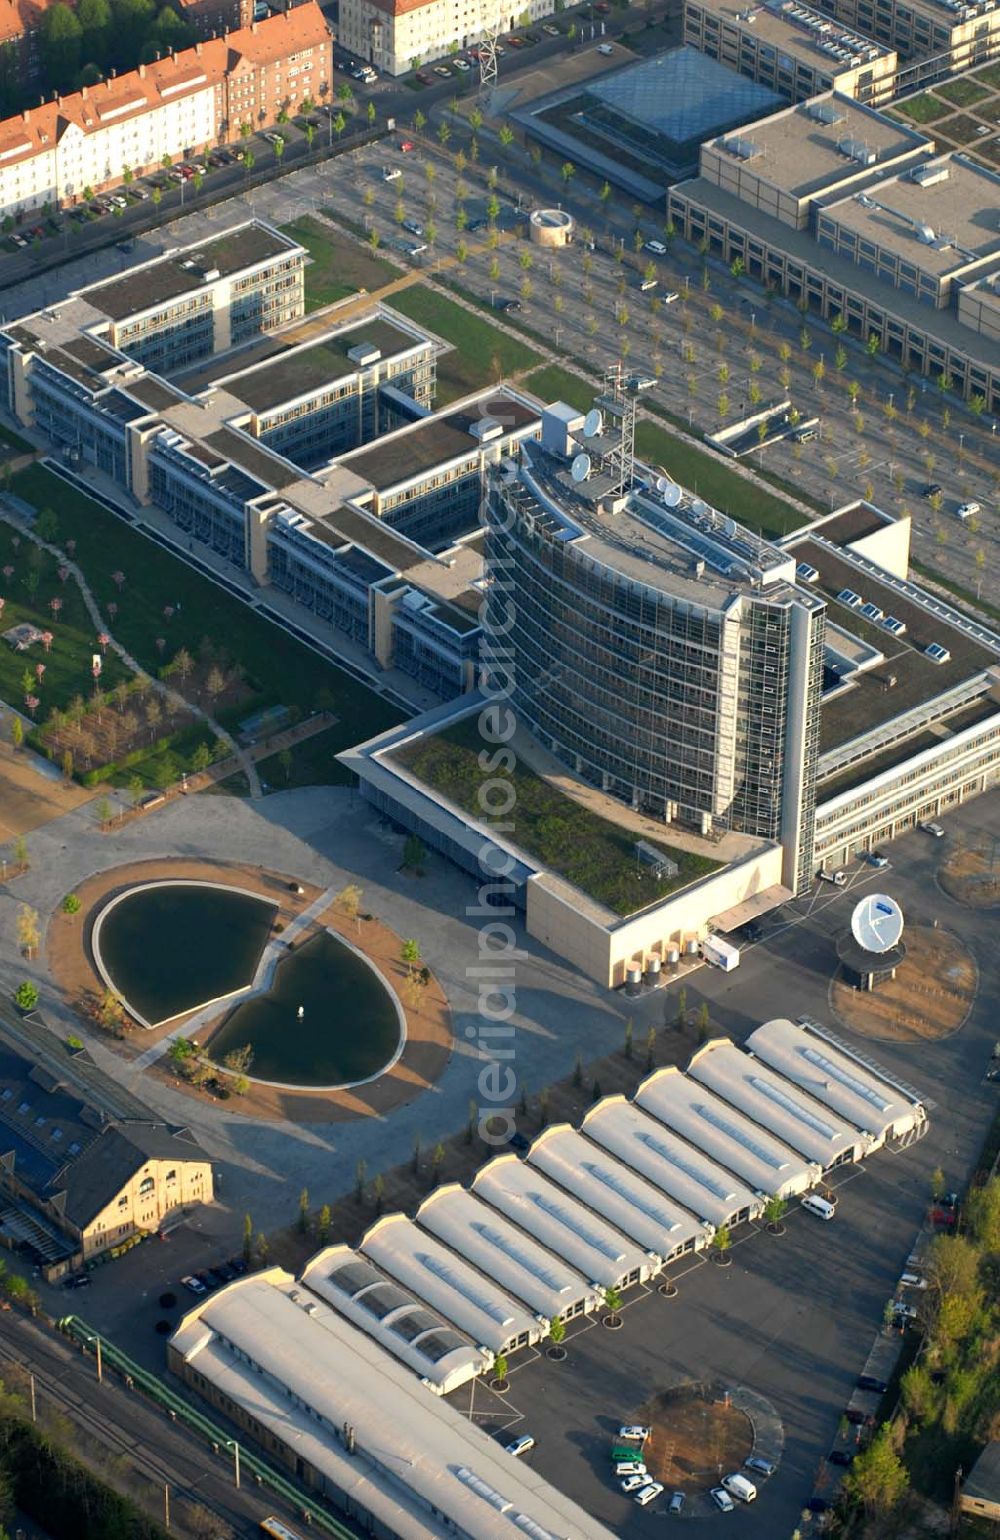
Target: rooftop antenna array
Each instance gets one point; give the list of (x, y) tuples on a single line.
[(619, 409)]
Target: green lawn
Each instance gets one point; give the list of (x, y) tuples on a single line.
[(68, 662), (313, 763), (991, 75), (962, 92), (594, 854), (481, 353), (925, 108), (745, 500), (278, 669), (339, 267)]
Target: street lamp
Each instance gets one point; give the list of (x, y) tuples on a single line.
[(100, 1368), (234, 1446)]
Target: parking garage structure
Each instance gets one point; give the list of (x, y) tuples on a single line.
[(773, 1102), (685, 1174), (507, 1254), (881, 1108), (443, 1357), (725, 1135), (540, 1207), (617, 1193), (444, 1282)]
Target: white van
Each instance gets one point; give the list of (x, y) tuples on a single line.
[(818, 1206), (738, 1486)]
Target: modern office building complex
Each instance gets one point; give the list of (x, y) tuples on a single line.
[(177, 106), (734, 714), (792, 48), (956, 33), (307, 457), (851, 213)]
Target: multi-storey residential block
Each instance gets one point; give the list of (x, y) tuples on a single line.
[(791, 48), (397, 35), (175, 106), (847, 210), (213, 18)]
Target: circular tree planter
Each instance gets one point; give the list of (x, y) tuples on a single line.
[(776, 1229), (723, 1259), (668, 1289), (500, 1386), (557, 1354), (612, 1322)]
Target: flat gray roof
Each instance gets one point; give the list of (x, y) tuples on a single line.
[(958, 214), (796, 151), (417, 448), (156, 283), (797, 29)]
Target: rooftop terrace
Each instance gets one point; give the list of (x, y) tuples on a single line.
[(591, 853)]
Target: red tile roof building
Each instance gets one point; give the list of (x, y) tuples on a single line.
[(178, 106)]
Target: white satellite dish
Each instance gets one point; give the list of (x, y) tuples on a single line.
[(662, 484), (699, 507), (672, 494), (877, 923), (580, 469), (729, 528), (592, 423)]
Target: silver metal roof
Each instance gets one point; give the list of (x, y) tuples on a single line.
[(444, 1281), (725, 1135), (836, 1078), (711, 1194), (421, 1468), (614, 1190), (781, 1107), (560, 1221), (505, 1253)]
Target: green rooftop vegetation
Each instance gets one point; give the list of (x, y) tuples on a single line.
[(594, 854), (925, 108)]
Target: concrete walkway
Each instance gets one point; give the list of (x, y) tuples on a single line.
[(272, 954), (101, 627)]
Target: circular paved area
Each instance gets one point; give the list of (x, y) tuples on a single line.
[(930, 997)]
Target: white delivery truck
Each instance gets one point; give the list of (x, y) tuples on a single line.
[(721, 954)]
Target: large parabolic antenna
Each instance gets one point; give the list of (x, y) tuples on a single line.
[(877, 923)]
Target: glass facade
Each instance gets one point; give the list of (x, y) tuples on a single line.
[(682, 710)]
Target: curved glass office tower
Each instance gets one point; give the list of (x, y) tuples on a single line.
[(662, 653)]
